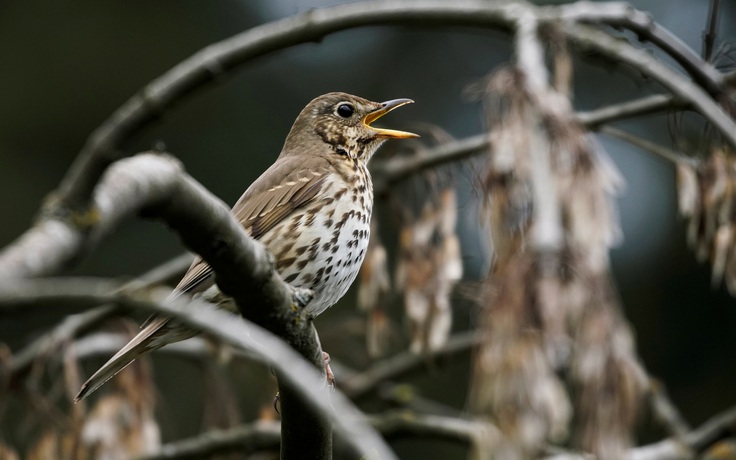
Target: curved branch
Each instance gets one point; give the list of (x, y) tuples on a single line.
[(104, 145), (62, 238), (623, 15), (74, 325), (301, 375), (681, 87), (156, 185)]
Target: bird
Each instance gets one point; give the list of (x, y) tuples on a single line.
[(311, 208)]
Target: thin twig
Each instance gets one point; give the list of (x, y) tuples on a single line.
[(681, 87), (665, 411), (105, 144), (358, 384), (264, 435), (630, 109), (388, 172), (245, 439), (651, 147), (711, 31), (407, 423), (75, 325), (299, 373)]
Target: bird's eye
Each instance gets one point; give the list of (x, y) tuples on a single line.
[(345, 110)]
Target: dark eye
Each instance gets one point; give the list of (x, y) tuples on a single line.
[(345, 110)]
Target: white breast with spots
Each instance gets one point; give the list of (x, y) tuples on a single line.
[(333, 232)]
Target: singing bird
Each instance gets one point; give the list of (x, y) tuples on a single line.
[(311, 209)]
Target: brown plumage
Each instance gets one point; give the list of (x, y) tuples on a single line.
[(311, 209)]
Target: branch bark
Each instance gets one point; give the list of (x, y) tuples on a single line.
[(301, 374), (156, 185), (75, 325)]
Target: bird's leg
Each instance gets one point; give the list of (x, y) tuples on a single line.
[(301, 296), (328, 370)]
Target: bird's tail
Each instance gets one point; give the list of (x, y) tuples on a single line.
[(159, 332)]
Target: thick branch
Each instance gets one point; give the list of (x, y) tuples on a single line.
[(156, 184), (301, 375), (62, 238), (623, 15)]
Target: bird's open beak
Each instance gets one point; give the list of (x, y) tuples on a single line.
[(385, 108)]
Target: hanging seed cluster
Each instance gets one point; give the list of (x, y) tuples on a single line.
[(428, 267), (707, 199), (551, 313)]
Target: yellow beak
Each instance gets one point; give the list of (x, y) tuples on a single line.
[(385, 108)]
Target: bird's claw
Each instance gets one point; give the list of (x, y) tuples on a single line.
[(301, 296), (276, 400), (328, 371)]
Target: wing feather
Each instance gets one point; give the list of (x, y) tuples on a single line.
[(262, 206)]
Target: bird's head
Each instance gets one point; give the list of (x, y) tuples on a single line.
[(344, 123)]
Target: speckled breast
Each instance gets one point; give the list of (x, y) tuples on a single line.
[(322, 245)]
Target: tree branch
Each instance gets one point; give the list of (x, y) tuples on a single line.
[(356, 385), (647, 146), (62, 238), (388, 172), (75, 325), (300, 374), (262, 435), (623, 15), (156, 185), (643, 61), (643, 106), (105, 144), (245, 438)]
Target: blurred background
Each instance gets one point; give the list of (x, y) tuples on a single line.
[(66, 66)]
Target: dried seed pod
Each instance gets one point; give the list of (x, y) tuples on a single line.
[(540, 296), (428, 268), (707, 199)]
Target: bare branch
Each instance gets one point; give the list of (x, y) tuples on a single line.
[(547, 233), (665, 411), (104, 145), (647, 146), (630, 109), (398, 168), (155, 184), (711, 31), (301, 375), (62, 238), (75, 325), (264, 435), (357, 385), (623, 15), (641, 60), (245, 438)]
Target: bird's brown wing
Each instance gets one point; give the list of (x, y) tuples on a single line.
[(287, 185)]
